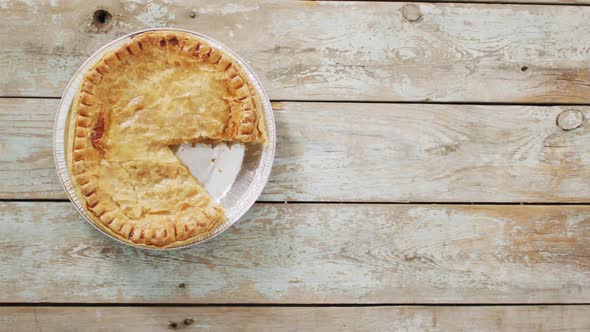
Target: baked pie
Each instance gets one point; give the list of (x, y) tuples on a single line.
[(161, 89)]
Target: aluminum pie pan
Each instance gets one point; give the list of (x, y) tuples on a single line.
[(233, 175)]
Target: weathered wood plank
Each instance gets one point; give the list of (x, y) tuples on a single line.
[(304, 51), (26, 143), (368, 152), (540, 2), (309, 253), (418, 318)]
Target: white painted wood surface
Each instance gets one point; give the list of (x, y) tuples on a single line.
[(328, 50), (415, 318), (537, 2), (368, 152), (318, 253), (309, 253)]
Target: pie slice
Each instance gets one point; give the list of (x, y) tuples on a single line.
[(162, 88)]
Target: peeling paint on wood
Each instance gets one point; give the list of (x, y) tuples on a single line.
[(369, 51), (366, 152), (309, 253)]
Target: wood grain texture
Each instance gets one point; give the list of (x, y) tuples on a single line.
[(539, 2), (532, 2), (304, 51), (309, 253), (368, 152), (431, 319), (26, 143)]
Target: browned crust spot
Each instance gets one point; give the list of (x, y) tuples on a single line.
[(97, 133)]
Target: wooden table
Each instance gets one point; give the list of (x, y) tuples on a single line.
[(432, 172)]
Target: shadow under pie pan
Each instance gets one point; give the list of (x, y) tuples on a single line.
[(233, 174)]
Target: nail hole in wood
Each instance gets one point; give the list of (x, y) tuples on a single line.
[(524, 68), (173, 325), (182, 285), (411, 13), (101, 19), (570, 119), (188, 321), (193, 13)]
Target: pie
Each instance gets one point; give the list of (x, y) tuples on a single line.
[(161, 89)]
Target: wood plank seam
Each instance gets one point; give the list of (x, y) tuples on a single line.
[(279, 202), (279, 305), (400, 102)]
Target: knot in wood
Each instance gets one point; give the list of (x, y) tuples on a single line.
[(411, 13), (101, 20), (570, 119)]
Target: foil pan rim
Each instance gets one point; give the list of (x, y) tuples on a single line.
[(255, 187)]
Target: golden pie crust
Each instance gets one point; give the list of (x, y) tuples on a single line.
[(162, 88)]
